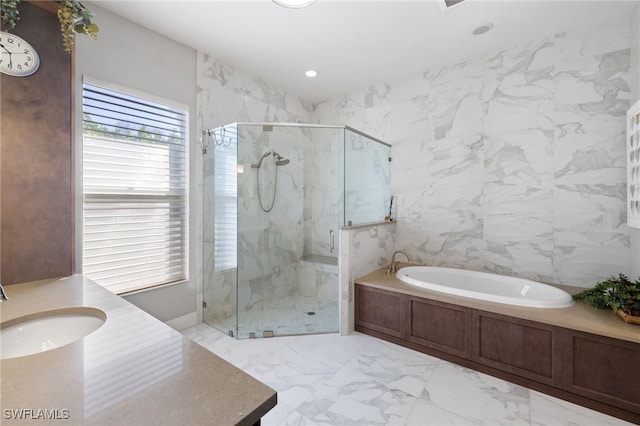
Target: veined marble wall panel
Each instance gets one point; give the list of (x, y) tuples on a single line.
[(635, 95), (518, 168), (591, 240), (455, 100), (371, 248), (513, 164), (454, 181), (377, 111), (346, 110), (517, 204), (226, 96), (411, 132)]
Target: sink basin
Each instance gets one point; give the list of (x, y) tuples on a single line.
[(43, 331)]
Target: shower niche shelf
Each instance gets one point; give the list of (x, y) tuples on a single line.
[(320, 259)]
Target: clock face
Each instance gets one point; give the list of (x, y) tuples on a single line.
[(17, 57)]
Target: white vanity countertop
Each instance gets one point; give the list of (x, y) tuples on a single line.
[(134, 370)]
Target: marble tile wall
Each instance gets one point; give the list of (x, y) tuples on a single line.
[(308, 202), (362, 250), (513, 163), (635, 95)]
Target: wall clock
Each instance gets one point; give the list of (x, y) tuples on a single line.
[(17, 57)]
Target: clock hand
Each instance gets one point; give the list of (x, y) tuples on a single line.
[(8, 51), (10, 58)]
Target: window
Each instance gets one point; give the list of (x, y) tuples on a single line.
[(226, 198), (134, 190)]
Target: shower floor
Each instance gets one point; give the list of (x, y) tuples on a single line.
[(284, 316)]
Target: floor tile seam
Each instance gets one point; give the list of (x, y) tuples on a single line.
[(558, 405), (313, 397), (322, 383), (448, 364), (325, 361), (288, 410), (450, 412), (376, 380), (424, 367), (413, 408)]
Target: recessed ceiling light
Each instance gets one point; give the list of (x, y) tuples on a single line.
[(294, 4), (311, 73), (482, 29)]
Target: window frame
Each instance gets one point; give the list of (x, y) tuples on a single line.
[(186, 193)]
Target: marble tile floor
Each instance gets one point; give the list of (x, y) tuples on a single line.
[(361, 380), (285, 316)]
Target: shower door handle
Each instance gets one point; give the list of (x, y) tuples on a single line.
[(331, 241)]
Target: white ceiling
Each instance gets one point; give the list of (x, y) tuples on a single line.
[(353, 44)]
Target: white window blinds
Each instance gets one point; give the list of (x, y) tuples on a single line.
[(134, 190), (226, 199)]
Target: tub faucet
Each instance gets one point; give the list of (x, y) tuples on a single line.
[(3, 295), (395, 265)]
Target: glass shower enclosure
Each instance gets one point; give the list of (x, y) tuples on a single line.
[(275, 197)]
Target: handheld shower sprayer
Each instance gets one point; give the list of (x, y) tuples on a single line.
[(280, 161), (265, 155)]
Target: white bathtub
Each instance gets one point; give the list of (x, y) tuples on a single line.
[(485, 286)]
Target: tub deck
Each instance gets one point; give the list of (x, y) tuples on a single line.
[(578, 317)]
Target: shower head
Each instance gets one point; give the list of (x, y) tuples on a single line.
[(280, 160)]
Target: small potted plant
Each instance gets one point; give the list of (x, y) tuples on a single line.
[(619, 294)]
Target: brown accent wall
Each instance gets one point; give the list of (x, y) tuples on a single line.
[(36, 157)]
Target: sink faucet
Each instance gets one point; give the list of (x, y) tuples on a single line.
[(395, 265), (3, 295)]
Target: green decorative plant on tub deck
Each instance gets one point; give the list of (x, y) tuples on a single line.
[(619, 294)]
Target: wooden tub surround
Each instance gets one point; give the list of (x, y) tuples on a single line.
[(586, 356)]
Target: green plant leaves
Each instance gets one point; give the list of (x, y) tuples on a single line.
[(74, 18), (617, 293), (10, 13)]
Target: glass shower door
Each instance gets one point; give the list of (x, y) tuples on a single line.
[(288, 221), (220, 237), (319, 278)]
